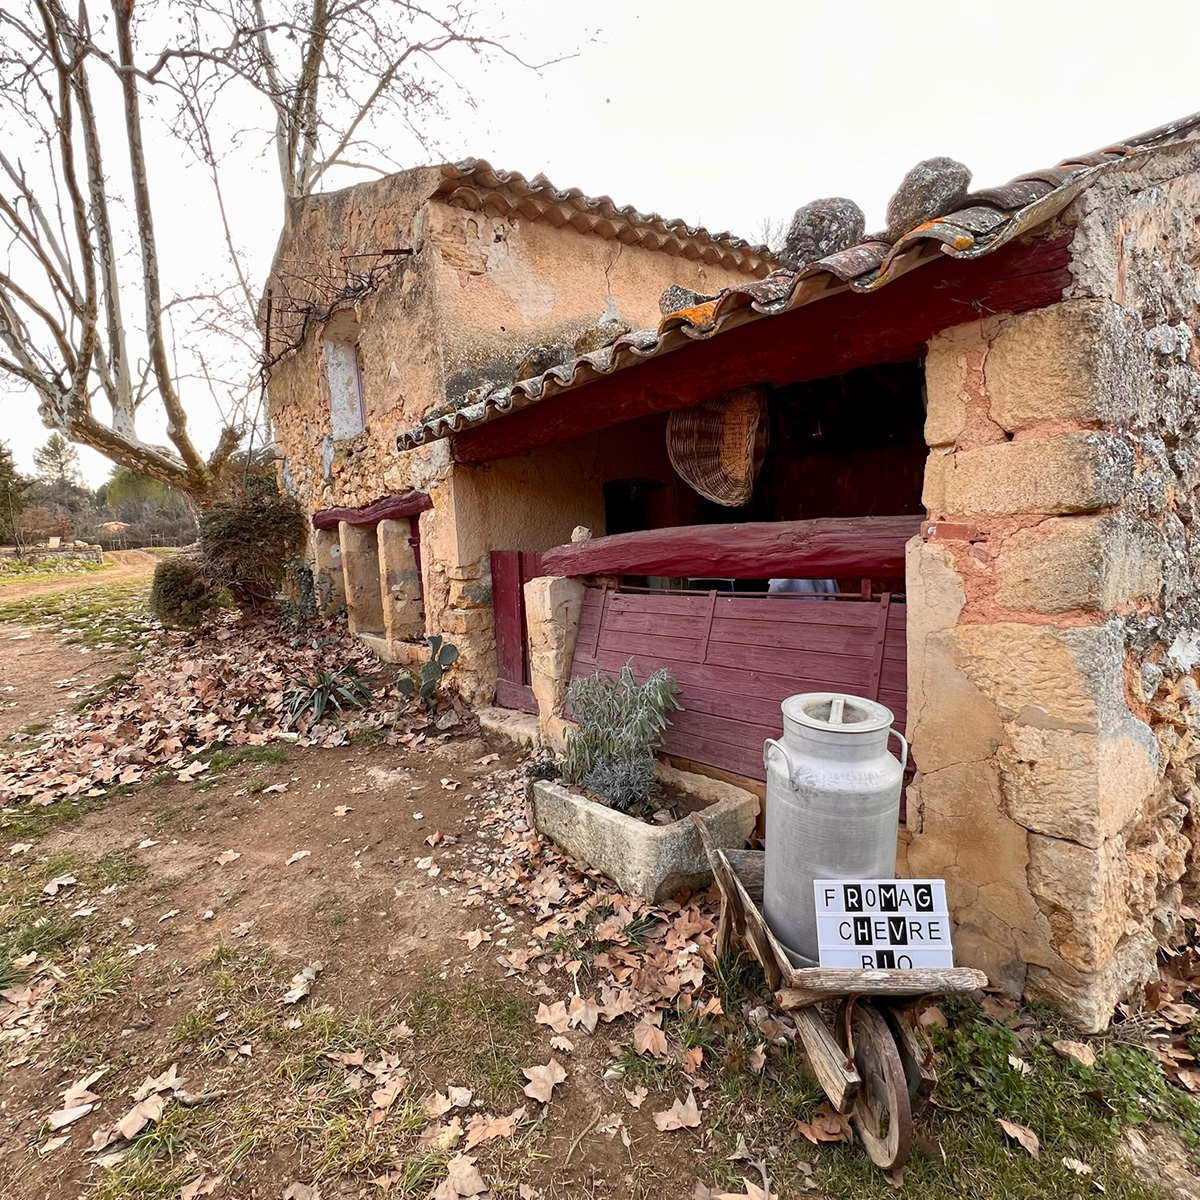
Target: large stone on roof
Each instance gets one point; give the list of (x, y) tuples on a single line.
[(599, 336), (931, 189), (821, 228), (677, 297)]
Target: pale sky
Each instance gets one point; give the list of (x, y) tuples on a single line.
[(728, 114)]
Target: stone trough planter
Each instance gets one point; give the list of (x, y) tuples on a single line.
[(651, 861)]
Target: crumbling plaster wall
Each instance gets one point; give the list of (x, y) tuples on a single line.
[(467, 298), (1054, 601), (506, 285)]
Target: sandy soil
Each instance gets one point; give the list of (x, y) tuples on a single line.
[(40, 676), (127, 565)]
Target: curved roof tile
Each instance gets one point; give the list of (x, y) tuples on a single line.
[(989, 219)]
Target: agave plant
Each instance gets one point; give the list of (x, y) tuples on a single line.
[(442, 655), (341, 689)]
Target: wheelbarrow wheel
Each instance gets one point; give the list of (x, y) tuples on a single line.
[(882, 1114)]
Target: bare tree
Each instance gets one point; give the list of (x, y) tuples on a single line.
[(317, 80)]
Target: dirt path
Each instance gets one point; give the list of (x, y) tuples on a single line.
[(41, 676), (127, 565)]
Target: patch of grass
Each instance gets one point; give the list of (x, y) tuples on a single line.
[(168, 814), (205, 785), (90, 979), (101, 616), (30, 822), (477, 1033), (224, 758), (159, 778), (1077, 1112), (118, 866)]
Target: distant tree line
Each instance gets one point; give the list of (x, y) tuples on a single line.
[(127, 510)]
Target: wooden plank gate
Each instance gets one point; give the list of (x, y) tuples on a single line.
[(511, 570), (737, 656)]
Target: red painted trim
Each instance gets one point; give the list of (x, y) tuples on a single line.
[(390, 508), (508, 616), (815, 341), (832, 547)]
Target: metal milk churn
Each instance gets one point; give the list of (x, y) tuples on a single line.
[(833, 804)]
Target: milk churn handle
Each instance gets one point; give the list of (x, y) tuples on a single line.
[(904, 757), (771, 744)]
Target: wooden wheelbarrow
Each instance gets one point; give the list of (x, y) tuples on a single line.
[(873, 1063)]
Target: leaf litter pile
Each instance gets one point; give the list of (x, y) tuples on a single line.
[(225, 687)]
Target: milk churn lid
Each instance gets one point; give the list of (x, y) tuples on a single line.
[(837, 712)]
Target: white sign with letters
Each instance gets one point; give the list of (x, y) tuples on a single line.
[(902, 924)]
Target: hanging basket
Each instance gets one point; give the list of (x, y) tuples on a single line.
[(718, 447)]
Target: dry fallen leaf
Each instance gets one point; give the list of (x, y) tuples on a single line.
[(1080, 1168), (1081, 1053), (241, 929), (681, 1115), (302, 983), (543, 1079), (692, 1058), (584, 1013), (441, 1138), (476, 938), (636, 1097), (1019, 1065), (20, 847), (295, 858), (758, 1058), (67, 1116), (303, 1191), (1023, 1134), (482, 1128), (274, 787), (825, 1126), (342, 809), (649, 1039), (146, 843), (226, 857), (462, 1179), (52, 1144), (554, 1015), (202, 1185), (558, 1042), (436, 1105), (459, 1097), (58, 883), (752, 1192)]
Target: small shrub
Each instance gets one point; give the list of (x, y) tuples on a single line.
[(246, 542), (180, 594), (442, 655), (341, 689), (298, 609), (621, 723)]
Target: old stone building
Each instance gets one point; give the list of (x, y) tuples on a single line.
[(982, 423)]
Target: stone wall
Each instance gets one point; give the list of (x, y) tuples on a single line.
[(1054, 609), (456, 299)]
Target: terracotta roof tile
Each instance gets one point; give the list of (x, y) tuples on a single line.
[(989, 219), (477, 185)]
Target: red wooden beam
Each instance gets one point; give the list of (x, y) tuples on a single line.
[(827, 337), (390, 508), (834, 547)]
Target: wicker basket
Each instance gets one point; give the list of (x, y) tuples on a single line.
[(718, 447)]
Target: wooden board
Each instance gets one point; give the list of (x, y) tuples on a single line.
[(511, 570), (390, 508), (832, 547), (800, 987), (736, 658)]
